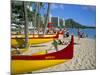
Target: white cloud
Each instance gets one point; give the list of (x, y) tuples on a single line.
[(93, 8), (55, 6), (61, 6)]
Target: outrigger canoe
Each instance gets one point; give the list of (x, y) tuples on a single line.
[(32, 35), (25, 63), (20, 39)]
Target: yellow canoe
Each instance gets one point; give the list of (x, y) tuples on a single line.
[(25, 63), (22, 66), (32, 35), (20, 39)]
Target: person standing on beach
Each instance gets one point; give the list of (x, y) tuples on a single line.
[(67, 34), (78, 32), (55, 44)]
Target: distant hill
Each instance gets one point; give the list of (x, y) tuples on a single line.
[(70, 23)]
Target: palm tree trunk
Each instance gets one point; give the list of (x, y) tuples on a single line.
[(38, 17), (35, 15), (40, 5), (26, 24), (47, 18), (32, 18)]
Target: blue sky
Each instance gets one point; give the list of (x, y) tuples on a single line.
[(83, 14)]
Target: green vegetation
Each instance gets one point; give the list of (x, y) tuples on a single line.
[(70, 23)]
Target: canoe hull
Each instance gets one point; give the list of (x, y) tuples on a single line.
[(21, 66), (19, 40), (24, 63), (34, 35)]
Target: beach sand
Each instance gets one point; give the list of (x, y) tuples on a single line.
[(84, 57)]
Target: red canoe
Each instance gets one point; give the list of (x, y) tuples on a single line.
[(66, 53)]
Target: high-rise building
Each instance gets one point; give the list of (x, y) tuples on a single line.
[(58, 22), (55, 21), (61, 22)]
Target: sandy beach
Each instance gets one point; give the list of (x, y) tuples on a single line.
[(84, 57), (41, 38)]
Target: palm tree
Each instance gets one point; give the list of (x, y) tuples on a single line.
[(26, 24), (17, 15), (37, 16), (47, 18)]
